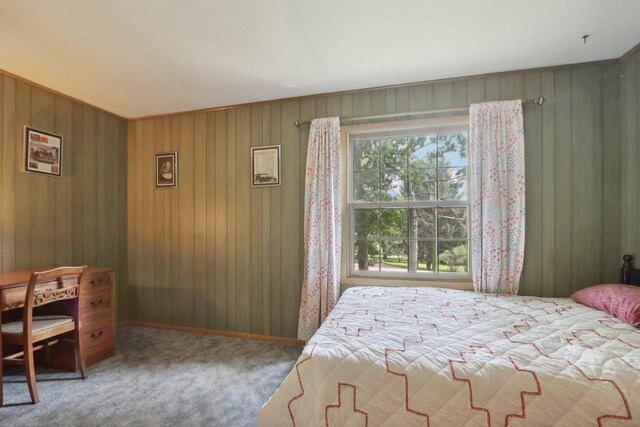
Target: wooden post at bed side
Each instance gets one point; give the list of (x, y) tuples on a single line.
[(626, 267)]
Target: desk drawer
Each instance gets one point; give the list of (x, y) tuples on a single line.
[(96, 281), (91, 323), (95, 303), (93, 350), (14, 298), (100, 336)]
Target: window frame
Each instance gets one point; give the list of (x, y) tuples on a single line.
[(350, 276)]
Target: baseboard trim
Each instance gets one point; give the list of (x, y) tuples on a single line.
[(230, 334)]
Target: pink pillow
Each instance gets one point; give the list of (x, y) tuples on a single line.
[(622, 301)]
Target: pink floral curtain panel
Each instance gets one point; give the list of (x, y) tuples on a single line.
[(496, 149), (322, 222)]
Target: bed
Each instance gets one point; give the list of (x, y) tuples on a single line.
[(390, 356)]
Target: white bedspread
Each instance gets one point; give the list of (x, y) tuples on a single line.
[(436, 357)]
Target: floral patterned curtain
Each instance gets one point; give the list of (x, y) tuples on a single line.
[(496, 148), (322, 222)]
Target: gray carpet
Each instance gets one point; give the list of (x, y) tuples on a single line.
[(158, 378)]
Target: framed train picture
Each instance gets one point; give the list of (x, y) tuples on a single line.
[(42, 152), (167, 170)]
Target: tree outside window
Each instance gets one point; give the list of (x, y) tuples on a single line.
[(409, 203)]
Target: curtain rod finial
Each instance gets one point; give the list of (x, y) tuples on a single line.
[(539, 100), (298, 123)]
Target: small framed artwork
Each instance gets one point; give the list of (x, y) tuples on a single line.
[(265, 166), (167, 169), (42, 152)]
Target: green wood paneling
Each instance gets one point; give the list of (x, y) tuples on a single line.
[(586, 115), (611, 174), (563, 184), (251, 238), (78, 218), (256, 229), (531, 278), (243, 236), (211, 237), (547, 183), (220, 311), (629, 79), (231, 221)]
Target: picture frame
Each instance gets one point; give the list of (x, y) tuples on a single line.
[(167, 170), (266, 166), (42, 152)]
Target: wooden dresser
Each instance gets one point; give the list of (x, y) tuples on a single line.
[(97, 315)]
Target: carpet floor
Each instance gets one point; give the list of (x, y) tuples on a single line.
[(158, 378)]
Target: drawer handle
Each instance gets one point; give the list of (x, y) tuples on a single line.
[(97, 282), (96, 303), (96, 336)]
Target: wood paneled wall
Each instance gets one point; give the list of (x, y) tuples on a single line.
[(630, 129), (217, 253), (79, 218)]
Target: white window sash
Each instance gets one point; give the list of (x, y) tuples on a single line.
[(381, 130)]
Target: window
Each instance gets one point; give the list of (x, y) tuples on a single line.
[(407, 202)]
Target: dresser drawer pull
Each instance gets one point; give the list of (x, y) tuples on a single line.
[(96, 303), (95, 336), (97, 282)]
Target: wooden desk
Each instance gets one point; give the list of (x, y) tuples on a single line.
[(97, 314)]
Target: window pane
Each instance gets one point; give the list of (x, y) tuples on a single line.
[(366, 224), (422, 223), (452, 183), (422, 151), (393, 223), (452, 223), (422, 184), (394, 256), (365, 154), (452, 257), (394, 188), (366, 255), (366, 186), (426, 256), (452, 149), (393, 153), (430, 172)]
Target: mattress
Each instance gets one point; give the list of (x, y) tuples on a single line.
[(437, 357)]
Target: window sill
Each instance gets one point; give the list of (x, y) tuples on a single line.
[(461, 282)]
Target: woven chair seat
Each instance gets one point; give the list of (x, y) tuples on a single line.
[(40, 324)]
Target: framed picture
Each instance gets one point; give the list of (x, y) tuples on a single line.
[(42, 152), (167, 169), (265, 166)]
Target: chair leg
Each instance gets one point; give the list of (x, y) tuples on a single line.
[(1, 362), (79, 358), (29, 369)]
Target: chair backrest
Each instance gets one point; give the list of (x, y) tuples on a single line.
[(64, 284)]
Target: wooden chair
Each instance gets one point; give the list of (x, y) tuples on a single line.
[(42, 331)]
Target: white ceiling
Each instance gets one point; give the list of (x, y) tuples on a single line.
[(144, 57)]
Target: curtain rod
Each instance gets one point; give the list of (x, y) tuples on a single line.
[(538, 101)]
